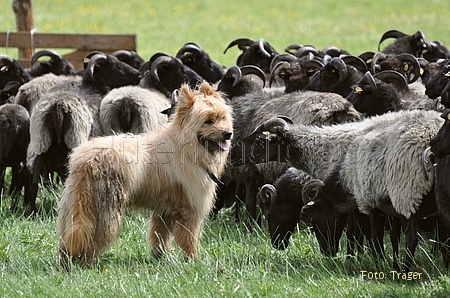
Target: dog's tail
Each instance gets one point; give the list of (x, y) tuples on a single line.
[(89, 213)]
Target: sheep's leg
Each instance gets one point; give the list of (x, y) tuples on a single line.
[(36, 171), (355, 233), (444, 242), (411, 241), (251, 191), (16, 186), (238, 194), (376, 233), (396, 229)]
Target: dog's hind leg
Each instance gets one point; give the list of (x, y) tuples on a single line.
[(159, 237)]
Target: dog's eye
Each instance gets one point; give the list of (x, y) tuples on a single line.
[(209, 121)]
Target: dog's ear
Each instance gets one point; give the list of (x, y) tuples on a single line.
[(207, 90), (186, 98)]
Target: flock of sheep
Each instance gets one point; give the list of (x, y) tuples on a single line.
[(335, 139)]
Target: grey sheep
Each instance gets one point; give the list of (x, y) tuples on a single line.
[(132, 109)]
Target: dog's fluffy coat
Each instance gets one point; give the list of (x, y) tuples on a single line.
[(168, 173)]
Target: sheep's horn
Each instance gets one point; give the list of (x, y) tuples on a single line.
[(95, 60), (406, 57), (420, 36), (428, 160), (88, 58), (276, 70), (282, 57), (333, 51), (174, 97), (274, 122), (251, 69), (234, 71), (262, 49), (314, 64), (295, 47), (369, 78), (268, 193), (367, 57), (157, 63), (303, 51), (49, 53), (309, 186), (379, 56), (390, 34), (340, 65), (122, 53), (356, 62), (392, 75), (191, 48), (5, 59), (240, 41)]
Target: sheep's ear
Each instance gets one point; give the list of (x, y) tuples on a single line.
[(207, 90), (186, 99)]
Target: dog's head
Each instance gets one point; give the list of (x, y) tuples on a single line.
[(203, 114)]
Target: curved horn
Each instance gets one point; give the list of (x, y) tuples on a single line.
[(282, 57), (262, 49), (390, 34), (341, 67), (356, 62), (191, 48), (371, 81), (315, 64), (276, 70), (174, 97), (392, 75), (305, 50), (367, 57), (157, 63), (309, 186), (124, 53), (274, 122), (406, 57), (5, 61), (251, 69), (240, 41), (268, 194), (95, 60), (379, 56), (234, 71), (295, 47), (49, 53)]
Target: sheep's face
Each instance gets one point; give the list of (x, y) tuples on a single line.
[(440, 144), (437, 84), (328, 224), (263, 145)]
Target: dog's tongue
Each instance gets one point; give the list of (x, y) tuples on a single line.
[(224, 145)]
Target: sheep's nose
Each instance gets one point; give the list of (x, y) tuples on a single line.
[(227, 135)]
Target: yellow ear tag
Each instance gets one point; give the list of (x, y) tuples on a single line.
[(4, 68), (368, 61), (310, 203), (86, 60), (421, 71), (405, 67), (448, 116), (358, 90), (447, 74), (266, 133)]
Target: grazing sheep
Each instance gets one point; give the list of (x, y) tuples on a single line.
[(57, 64), (258, 53), (31, 92), (192, 55), (165, 74), (339, 75), (388, 91), (62, 120), (12, 70), (132, 109), (8, 92), (372, 164), (14, 139)]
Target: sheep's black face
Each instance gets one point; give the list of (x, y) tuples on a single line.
[(328, 224), (437, 84), (440, 144), (262, 146), (208, 69)]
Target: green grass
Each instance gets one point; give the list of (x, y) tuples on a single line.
[(233, 262)]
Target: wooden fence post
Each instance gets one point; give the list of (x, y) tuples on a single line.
[(23, 10)]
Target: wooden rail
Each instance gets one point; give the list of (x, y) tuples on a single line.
[(82, 44)]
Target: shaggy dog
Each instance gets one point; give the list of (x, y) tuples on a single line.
[(169, 173)]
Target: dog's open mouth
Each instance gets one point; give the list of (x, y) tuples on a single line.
[(224, 145)]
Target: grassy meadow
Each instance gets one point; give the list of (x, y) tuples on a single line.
[(233, 262)]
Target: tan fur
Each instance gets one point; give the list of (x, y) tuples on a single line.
[(165, 173)]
